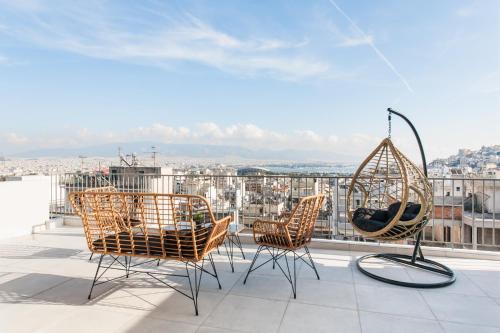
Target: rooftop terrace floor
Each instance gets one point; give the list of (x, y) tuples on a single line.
[(45, 279)]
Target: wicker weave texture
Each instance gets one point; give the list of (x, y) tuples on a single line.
[(293, 232), (166, 226), (385, 177)]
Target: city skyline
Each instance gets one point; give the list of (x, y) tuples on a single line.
[(303, 75)]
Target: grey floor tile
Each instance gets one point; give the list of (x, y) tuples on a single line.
[(247, 314), (206, 329), (302, 318), (326, 293), (152, 325), (464, 328), (269, 287), (464, 308), (336, 270), (462, 285), (488, 283), (75, 292), (372, 322), (17, 285), (396, 301)]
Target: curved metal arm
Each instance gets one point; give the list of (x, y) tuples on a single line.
[(422, 153)]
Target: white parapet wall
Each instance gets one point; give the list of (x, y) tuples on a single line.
[(24, 203)]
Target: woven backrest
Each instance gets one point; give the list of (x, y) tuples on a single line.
[(302, 219), (148, 224)]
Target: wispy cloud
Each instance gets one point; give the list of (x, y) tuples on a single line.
[(241, 134), (488, 84), (368, 40), (356, 41), (94, 32), (348, 40), (467, 10), (14, 139)]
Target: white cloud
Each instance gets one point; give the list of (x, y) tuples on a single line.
[(3, 60), (94, 31), (246, 135), (309, 135), (15, 139), (466, 11), (488, 84)]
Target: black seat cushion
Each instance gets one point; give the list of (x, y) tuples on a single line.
[(411, 211), (152, 245), (122, 243), (371, 220)]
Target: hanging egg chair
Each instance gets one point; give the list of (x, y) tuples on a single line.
[(394, 196), (389, 199)]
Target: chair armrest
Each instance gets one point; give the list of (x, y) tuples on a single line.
[(220, 230)]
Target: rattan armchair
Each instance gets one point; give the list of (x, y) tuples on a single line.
[(153, 227), (288, 235)]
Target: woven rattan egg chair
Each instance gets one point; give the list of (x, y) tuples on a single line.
[(394, 201)]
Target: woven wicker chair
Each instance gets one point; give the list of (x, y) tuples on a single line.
[(388, 184), (151, 226), (390, 199), (291, 233)]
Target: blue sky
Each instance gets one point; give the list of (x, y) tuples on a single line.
[(274, 74)]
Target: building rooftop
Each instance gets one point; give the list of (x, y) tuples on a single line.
[(45, 279)]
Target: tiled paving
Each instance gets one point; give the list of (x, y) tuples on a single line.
[(45, 278)]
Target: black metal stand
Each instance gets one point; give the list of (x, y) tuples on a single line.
[(234, 241), (276, 254), (416, 260), (193, 279)]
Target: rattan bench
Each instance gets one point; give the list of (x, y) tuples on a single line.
[(151, 226)]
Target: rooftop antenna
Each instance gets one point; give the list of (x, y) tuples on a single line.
[(135, 161), (125, 160), (120, 155), (81, 157), (153, 154)]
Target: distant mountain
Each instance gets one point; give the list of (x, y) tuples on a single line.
[(193, 151)]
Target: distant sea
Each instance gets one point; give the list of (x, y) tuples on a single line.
[(311, 169)]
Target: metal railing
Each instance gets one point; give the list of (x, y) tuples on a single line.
[(466, 211)]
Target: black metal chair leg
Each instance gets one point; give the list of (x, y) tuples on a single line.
[(127, 266), (312, 262), (215, 270), (229, 257), (95, 276), (238, 241), (290, 278), (195, 290), (294, 275), (253, 263), (91, 255)]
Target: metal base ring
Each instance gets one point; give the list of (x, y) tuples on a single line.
[(427, 265)]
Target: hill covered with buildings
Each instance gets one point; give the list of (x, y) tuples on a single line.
[(488, 157)]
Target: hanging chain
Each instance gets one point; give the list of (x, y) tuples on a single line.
[(389, 121)]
